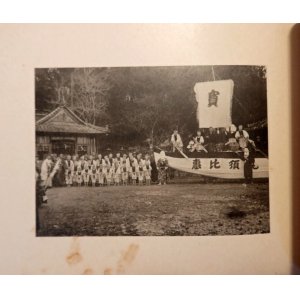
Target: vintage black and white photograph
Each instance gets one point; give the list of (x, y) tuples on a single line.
[(152, 151)]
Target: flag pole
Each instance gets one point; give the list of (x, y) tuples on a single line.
[(213, 73)]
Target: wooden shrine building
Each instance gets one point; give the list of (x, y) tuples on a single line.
[(63, 132)]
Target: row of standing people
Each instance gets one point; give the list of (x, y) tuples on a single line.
[(98, 170)]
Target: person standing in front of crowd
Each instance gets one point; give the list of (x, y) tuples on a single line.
[(38, 164), (69, 170), (45, 169), (54, 176), (162, 166), (40, 195), (61, 172), (176, 141), (249, 162), (154, 172)]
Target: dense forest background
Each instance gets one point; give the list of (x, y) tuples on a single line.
[(147, 103)]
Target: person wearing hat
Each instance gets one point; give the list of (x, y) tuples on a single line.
[(162, 166)]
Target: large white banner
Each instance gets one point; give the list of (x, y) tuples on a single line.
[(214, 103), (227, 168)]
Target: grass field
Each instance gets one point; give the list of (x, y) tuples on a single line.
[(174, 209)]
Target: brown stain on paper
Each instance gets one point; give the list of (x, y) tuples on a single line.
[(127, 258), (88, 271), (74, 257), (107, 271)]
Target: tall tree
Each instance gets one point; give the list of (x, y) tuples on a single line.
[(52, 88), (89, 93)]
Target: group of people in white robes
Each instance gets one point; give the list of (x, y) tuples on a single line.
[(98, 170)]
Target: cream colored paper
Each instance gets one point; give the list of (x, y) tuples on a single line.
[(25, 47)]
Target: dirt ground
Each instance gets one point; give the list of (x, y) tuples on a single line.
[(173, 210)]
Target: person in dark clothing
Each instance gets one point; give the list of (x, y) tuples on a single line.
[(249, 162), (221, 139), (154, 173), (221, 136), (210, 140), (40, 196), (162, 166)]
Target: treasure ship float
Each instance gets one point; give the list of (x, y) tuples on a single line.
[(214, 110)]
